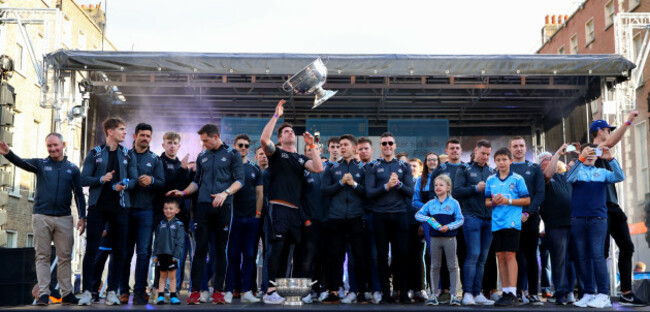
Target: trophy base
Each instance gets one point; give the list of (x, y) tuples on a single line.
[(292, 301), (321, 97)]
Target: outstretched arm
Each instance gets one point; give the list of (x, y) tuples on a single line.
[(267, 144)]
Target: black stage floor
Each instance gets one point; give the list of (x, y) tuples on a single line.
[(236, 306)]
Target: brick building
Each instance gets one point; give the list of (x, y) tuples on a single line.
[(590, 30)]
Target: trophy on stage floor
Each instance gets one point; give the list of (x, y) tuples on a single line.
[(310, 80)]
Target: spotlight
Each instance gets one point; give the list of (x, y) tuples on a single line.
[(85, 86)]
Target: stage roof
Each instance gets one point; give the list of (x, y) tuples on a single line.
[(471, 91)]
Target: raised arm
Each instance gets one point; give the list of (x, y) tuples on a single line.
[(314, 164), (269, 147), (617, 135), (30, 165), (551, 168)]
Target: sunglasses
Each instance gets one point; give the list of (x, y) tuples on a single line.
[(389, 143), (243, 145)]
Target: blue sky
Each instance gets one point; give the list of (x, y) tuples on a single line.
[(333, 26)]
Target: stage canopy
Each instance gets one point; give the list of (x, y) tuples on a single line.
[(479, 92)]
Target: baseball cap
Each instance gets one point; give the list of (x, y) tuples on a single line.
[(599, 124), (541, 157)]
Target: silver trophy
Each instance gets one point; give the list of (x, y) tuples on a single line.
[(293, 289), (310, 80)]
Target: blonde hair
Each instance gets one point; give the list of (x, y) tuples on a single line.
[(444, 178), (561, 167), (172, 135)]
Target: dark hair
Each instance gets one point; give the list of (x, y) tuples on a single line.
[(282, 126), (142, 127), (332, 140), (259, 148), (172, 200), (594, 134), (348, 137), (209, 130), (242, 136), (387, 134), (111, 123), (452, 141), (592, 145), (402, 154), (516, 138), (364, 140), (503, 151), (483, 143), (425, 170)]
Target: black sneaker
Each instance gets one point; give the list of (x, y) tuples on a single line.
[(559, 298), (631, 300), (404, 298), (139, 299), (331, 298), (43, 300), (387, 299), (69, 299), (506, 300)]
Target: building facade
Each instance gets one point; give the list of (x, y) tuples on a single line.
[(591, 30)]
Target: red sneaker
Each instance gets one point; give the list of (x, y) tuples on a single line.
[(194, 298), (217, 298)]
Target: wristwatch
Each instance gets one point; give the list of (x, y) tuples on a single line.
[(228, 192)]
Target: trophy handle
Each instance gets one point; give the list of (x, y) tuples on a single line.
[(286, 87), (327, 60)]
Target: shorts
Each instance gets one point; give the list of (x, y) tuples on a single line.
[(166, 263), (285, 223), (506, 240)]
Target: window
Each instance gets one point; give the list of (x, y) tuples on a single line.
[(589, 31), (609, 13), (574, 44), (640, 151), (12, 239), (637, 42), (82, 41), (19, 57), (561, 50), (67, 32), (30, 240)]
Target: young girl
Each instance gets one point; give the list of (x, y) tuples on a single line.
[(442, 213)]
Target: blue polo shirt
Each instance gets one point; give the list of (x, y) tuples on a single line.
[(513, 187)]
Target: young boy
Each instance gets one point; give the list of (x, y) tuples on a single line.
[(506, 192), (589, 222), (168, 249)]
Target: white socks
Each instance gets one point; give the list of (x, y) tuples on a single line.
[(512, 290)]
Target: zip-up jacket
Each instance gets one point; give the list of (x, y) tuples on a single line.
[(367, 203), (94, 169), (170, 238), (421, 195), (176, 178), (55, 183), (346, 201), (216, 170), (535, 183), (465, 190), (589, 197), (149, 164), (438, 214), (398, 198), (449, 170)]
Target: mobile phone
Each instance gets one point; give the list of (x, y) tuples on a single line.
[(570, 148), (317, 136), (598, 151)]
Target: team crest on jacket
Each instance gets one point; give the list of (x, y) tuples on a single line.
[(284, 155), (253, 175), (512, 186), (399, 170), (357, 175), (148, 164), (527, 172), (301, 161), (69, 171), (125, 162), (447, 208), (596, 174), (223, 158)]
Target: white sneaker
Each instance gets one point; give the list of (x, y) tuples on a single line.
[(86, 299), (341, 292), (227, 297), (480, 299), (273, 298), (584, 301), (368, 296), (570, 298), (111, 299), (205, 297), (308, 299), (350, 298), (523, 299), (260, 295), (248, 297), (376, 297), (468, 299), (600, 301), (322, 296), (495, 296)]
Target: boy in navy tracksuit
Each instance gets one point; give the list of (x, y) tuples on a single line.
[(168, 249), (443, 214), (589, 222)]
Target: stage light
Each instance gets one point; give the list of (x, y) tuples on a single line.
[(6, 67), (85, 86)]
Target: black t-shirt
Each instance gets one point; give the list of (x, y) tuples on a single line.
[(245, 199), (110, 199), (556, 207), (286, 172)]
